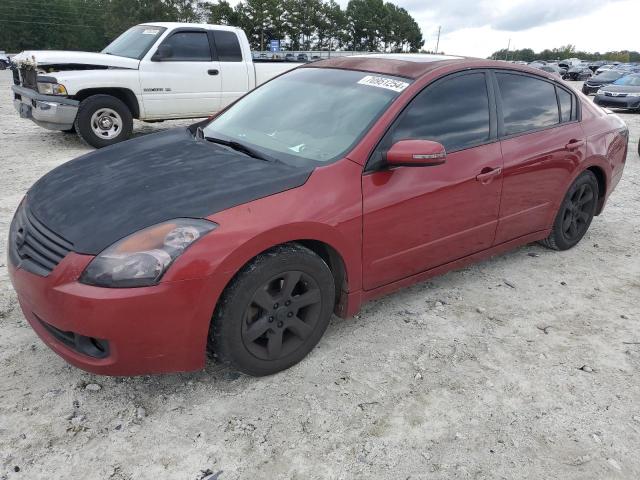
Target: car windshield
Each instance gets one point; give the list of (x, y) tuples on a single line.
[(308, 115), (135, 42), (629, 80)]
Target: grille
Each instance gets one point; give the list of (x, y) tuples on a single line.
[(29, 77), (33, 246)]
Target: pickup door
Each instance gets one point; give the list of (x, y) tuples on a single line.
[(181, 77)]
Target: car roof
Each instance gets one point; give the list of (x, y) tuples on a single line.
[(414, 65)]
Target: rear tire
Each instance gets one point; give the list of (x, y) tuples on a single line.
[(274, 311), (575, 213), (103, 120)]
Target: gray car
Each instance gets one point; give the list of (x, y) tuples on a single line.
[(623, 93)]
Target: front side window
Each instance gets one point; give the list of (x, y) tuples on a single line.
[(453, 112), (527, 103), (188, 47), (308, 115), (135, 42), (227, 46)]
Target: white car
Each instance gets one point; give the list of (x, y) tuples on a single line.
[(151, 72), (4, 60)]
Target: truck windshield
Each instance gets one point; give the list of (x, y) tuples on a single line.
[(308, 115), (135, 42)]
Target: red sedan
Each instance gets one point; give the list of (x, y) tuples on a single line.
[(331, 185)]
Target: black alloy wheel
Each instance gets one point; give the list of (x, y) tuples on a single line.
[(274, 311), (281, 315), (575, 214)]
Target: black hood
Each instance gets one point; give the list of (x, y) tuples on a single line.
[(103, 196)]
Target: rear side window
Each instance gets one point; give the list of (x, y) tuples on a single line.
[(567, 105), (227, 46), (454, 112), (189, 46), (527, 103)]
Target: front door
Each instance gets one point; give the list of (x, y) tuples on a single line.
[(187, 82), (417, 218)]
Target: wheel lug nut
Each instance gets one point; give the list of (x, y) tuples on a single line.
[(280, 324), (275, 305), (290, 314), (270, 319), (287, 303)]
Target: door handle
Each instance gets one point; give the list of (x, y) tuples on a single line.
[(213, 72), (573, 144), (488, 174)]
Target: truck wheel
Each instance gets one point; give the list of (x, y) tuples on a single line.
[(103, 120), (273, 312)]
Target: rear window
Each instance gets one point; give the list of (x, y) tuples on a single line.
[(527, 103), (567, 106), (227, 46)]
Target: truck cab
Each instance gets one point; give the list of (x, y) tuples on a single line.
[(152, 72)]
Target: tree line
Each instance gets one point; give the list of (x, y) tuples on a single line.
[(365, 25), (563, 53)]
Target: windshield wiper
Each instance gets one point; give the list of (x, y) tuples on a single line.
[(240, 147)]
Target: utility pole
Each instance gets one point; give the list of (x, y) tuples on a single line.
[(506, 55), (438, 41)]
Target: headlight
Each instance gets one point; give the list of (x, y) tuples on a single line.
[(141, 259), (47, 88), (600, 92)]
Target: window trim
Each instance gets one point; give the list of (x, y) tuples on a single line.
[(493, 118), (185, 30), (555, 84), (214, 46)]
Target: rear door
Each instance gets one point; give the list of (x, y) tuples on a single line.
[(542, 142), (187, 83), (234, 71), (417, 218)]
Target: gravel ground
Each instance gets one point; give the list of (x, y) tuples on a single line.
[(523, 366)]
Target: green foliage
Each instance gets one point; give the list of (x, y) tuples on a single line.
[(365, 25), (564, 52)]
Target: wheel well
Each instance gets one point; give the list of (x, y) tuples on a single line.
[(336, 264), (602, 186), (331, 257), (124, 94)]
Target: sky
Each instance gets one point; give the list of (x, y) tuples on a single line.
[(478, 28)]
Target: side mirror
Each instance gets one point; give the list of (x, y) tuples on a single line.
[(416, 153), (163, 52)]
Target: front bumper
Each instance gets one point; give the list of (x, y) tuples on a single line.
[(617, 102), (48, 111), (117, 331), (589, 89)]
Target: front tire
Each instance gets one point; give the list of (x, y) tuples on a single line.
[(575, 214), (274, 311), (103, 120)]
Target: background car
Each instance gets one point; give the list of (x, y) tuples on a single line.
[(551, 68), (624, 93), (302, 57), (4, 60), (289, 57), (578, 72), (593, 84)]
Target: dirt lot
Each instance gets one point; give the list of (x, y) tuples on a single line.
[(473, 375)]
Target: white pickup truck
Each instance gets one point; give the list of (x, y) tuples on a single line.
[(152, 72)]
